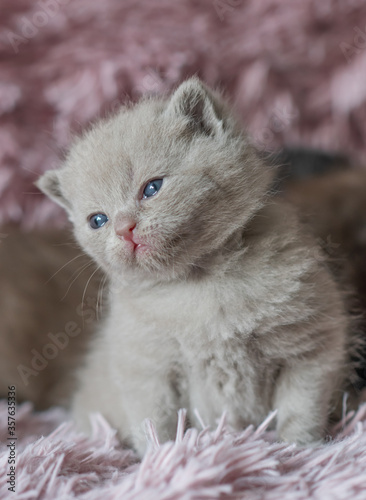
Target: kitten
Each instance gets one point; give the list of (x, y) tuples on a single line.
[(218, 299), (46, 318), (334, 208)]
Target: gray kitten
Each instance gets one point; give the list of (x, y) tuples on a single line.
[(218, 299)]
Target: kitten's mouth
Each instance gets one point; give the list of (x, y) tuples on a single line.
[(136, 248), (140, 248)]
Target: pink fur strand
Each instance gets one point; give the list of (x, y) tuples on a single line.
[(61, 463)]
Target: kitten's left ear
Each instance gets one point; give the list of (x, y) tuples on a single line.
[(49, 184), (196, 103)]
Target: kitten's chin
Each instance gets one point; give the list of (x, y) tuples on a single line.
[(146, 262)]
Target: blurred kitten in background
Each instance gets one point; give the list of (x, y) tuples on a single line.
[(333, 205), (48, 309)]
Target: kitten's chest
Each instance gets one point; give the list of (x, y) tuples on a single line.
[(207, 338), (195, 318), (177, 312)]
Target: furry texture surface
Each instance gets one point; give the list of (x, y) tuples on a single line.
[(284, 63), (216, 463)]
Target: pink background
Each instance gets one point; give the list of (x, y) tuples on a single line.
[(295, 70)]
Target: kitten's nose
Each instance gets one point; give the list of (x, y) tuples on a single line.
[(124, 229)]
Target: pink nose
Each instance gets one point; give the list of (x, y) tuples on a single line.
[(124, 229)]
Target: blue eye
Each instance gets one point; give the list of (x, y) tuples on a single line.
[(98, 220), (152, 188)]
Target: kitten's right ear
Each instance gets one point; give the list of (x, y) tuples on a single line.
[(49, 184), (195, 102)]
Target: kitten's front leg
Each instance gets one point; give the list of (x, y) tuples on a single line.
[(128, 390), (303, 397), (162, 411)]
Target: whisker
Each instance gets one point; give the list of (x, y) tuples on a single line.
[(67, 263), (70, 243), (79, 271), (100, 295), (83, 266), (86, 287), (31, 171)]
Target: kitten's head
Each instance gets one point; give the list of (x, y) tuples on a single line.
[(159, 187)]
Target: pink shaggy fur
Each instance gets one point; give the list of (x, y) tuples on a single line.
[(202, 464), (284, 63)]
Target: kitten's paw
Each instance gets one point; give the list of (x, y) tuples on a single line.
[(301, 437), (316, 443), (307, 442)]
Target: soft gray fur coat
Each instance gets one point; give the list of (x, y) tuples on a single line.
[(221, 301)]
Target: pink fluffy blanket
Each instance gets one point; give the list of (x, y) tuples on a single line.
[(294, 70), (53, 461)]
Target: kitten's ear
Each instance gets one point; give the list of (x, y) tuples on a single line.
[(196, 103), (49, 184)]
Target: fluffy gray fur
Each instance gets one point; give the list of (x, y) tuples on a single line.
[(229, 307)]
